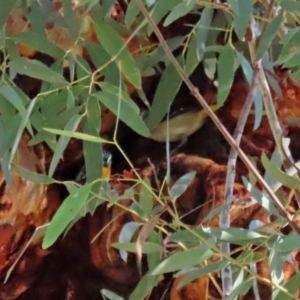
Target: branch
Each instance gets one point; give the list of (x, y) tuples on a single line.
[(217, 122)]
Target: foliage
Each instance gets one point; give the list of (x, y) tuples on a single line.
[(122, 51)]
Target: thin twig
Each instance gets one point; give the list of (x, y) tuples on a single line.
[(284, 152), (224, 218), (217, 122)]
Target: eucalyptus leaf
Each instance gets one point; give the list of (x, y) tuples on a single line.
[(63, 142), (181, 185), (203, 29), (268, 36), (242, 14), (258, 102), (279, 175), (110, 295), (126, 234), (124, 111), (164, 95), (65, 214), (36, 69), (76, 135), (113, 44), (144, 287), (146, 198), (179, 11), (185, 259), (198, 272), (6, 8), (39, 43), (146, 248), (225, 73), (32, 176), (291, 6)]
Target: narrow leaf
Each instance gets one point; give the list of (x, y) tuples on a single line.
[(32, 176), (145, 285), (145, 198), (63, 142), (126, 234), (36, 69), (291, 6), (268, 36), (225, 73), (110, 295), (21, 128), (185, 259), (65, 214), (181, 185), (39, 43), (279, 175), (179, 11), (124, 111), (114, 45), (166, 91), (6, 8), (242, 15), (203, 28)]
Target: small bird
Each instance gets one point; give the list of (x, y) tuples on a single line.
[(106, 168), (181, 125)]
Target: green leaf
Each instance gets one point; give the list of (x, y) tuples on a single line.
[(181, 185), (76, 135), (241, 289), (291, 6), (290, 47), (109, 88), (21, 128), (238, 236), (6, 8), (289, 243), (32, 176), (203, 28), (126, 234), (146, 198), (39, 43), (70, 19), (242, 14), (279, 175), (100, 59), (166, 91), (179, 11), (62, 143), (12, 97), (159, 53), (132, 11), (92, 151), (145, 286), (114, 45), (292, 286), (146, 248), (65, 214), (196, 273), (110, 295), (36, 69), (258, 103), (160, 10), (225, 73), (268, 36), (192, 56), (185, 259), (261, 198), (124, 111)]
